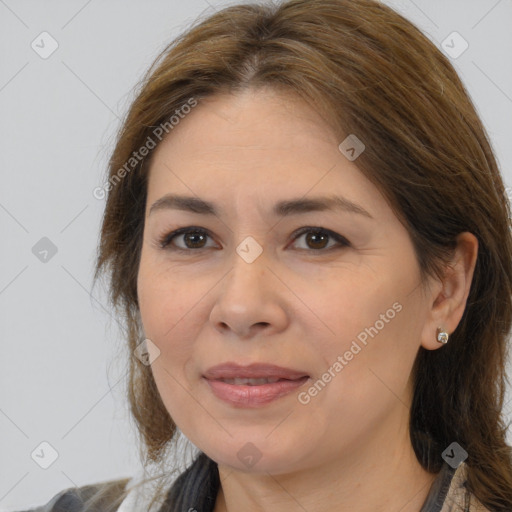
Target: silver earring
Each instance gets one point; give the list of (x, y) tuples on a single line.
[(442, 336)]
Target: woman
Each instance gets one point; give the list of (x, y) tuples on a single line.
[(308, 234)]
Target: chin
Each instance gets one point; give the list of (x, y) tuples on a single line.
[(258, 455)]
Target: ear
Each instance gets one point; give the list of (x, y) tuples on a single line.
[(447, 298)]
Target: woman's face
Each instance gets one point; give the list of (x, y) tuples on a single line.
[(339, 303)]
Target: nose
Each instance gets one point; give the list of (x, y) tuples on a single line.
[(250, 300)]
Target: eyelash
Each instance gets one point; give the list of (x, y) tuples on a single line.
[(166, 239)]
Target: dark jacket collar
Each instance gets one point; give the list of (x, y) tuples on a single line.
[(195, 489)]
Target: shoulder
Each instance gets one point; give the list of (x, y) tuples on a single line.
[(459, 498), (101, 496)]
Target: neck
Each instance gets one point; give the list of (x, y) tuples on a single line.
[(386, 476)]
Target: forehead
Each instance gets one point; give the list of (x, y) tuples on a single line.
[(252, 122), (256, 145)]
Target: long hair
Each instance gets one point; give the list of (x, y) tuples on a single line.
[(370, 72)]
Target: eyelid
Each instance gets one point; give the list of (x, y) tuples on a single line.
[(342, 241), (165, 240)]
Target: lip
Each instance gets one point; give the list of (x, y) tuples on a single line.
[(252, 371), (250, 396)]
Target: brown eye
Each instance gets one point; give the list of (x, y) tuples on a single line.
[(191, 238), (194, 240), (317, 239)]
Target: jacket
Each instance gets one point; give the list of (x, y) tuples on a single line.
[(196, 490)]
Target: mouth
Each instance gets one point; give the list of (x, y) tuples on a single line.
[(240, 381), (254, 385), (254, 371)]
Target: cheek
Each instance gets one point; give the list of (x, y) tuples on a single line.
[(372, 330), (171, 314), (165, 313), (163, 301), (348, 304)]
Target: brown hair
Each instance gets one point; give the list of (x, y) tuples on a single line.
[(372, 73)]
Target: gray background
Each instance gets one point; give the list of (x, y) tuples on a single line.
[(62, 365)]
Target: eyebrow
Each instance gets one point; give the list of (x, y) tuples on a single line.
[(282, 208)]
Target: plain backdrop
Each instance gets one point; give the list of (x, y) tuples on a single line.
[(62, 364)]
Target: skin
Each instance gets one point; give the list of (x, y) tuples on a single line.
[(296, 306)]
